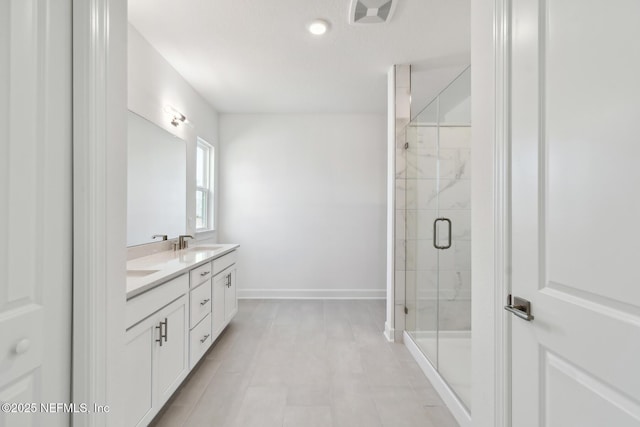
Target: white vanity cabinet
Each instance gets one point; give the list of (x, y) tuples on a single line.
[(200, 337), (171, 324), (156, 351), (171, 348), (200, 298), (138, 367), (230, 296), (200, 340), (225, 301), (219, 290), (214, 298)]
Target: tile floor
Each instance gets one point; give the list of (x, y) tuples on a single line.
[(306, 363)]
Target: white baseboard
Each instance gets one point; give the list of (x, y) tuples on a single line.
[(460, 413), (389, 333), (312, 293)]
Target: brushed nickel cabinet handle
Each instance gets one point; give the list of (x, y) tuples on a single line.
[(166, 329), (204, 338), (204, 302), (159, 328)]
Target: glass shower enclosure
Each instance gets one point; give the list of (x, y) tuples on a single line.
[(437, 241)]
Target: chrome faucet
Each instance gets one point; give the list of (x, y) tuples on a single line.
[(182, 243)]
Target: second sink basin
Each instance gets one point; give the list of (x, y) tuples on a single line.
[(140, 273), (205, 248)]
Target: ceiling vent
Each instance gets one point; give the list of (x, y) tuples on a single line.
[(371, 11)]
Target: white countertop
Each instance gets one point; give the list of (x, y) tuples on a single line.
[(150, 271)]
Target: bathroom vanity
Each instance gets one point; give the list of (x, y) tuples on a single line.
[(178, 303)]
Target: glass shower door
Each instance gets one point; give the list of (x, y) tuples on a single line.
[(421, 210), (454, 272), (438, 234)]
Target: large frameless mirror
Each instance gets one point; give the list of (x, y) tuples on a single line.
[(156, 182)]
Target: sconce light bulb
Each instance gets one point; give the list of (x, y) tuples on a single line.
[(176, 116)]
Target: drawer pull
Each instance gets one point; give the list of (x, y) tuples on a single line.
[(159, 328), (204, 302), (161, 335), (204, 338), (204, 273)]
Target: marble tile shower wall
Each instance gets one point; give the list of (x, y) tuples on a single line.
[(421, 198)]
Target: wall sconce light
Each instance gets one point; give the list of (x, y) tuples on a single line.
[(176, 116)]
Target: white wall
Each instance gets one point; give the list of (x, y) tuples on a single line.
[(389, 324), (401, 111), (427, 83), (304, 195), (488, 385), (153, 84), (99, 206)]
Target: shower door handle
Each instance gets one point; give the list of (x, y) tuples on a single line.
[(435, 233)]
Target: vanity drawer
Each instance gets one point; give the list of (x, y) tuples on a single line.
[(144, 305), (200, 298), (200, 340), (223, 262), (200, 274)]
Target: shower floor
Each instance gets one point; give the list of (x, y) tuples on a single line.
[(454, 361)]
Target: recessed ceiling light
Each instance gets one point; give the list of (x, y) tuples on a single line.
[(318, 27)]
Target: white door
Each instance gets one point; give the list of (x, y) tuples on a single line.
[(35, 208), (576, 212)]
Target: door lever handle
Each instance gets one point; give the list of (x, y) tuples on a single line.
[(520, 307)]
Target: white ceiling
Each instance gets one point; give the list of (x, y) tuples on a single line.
[(255, 56)]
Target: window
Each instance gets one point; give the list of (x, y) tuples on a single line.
[(204, 186)]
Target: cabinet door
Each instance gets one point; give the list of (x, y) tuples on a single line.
[(138, 368), (230, 298), (218, 297), (171, 357)]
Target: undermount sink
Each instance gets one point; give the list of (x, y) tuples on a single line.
[(140, 273), (205, 248)]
